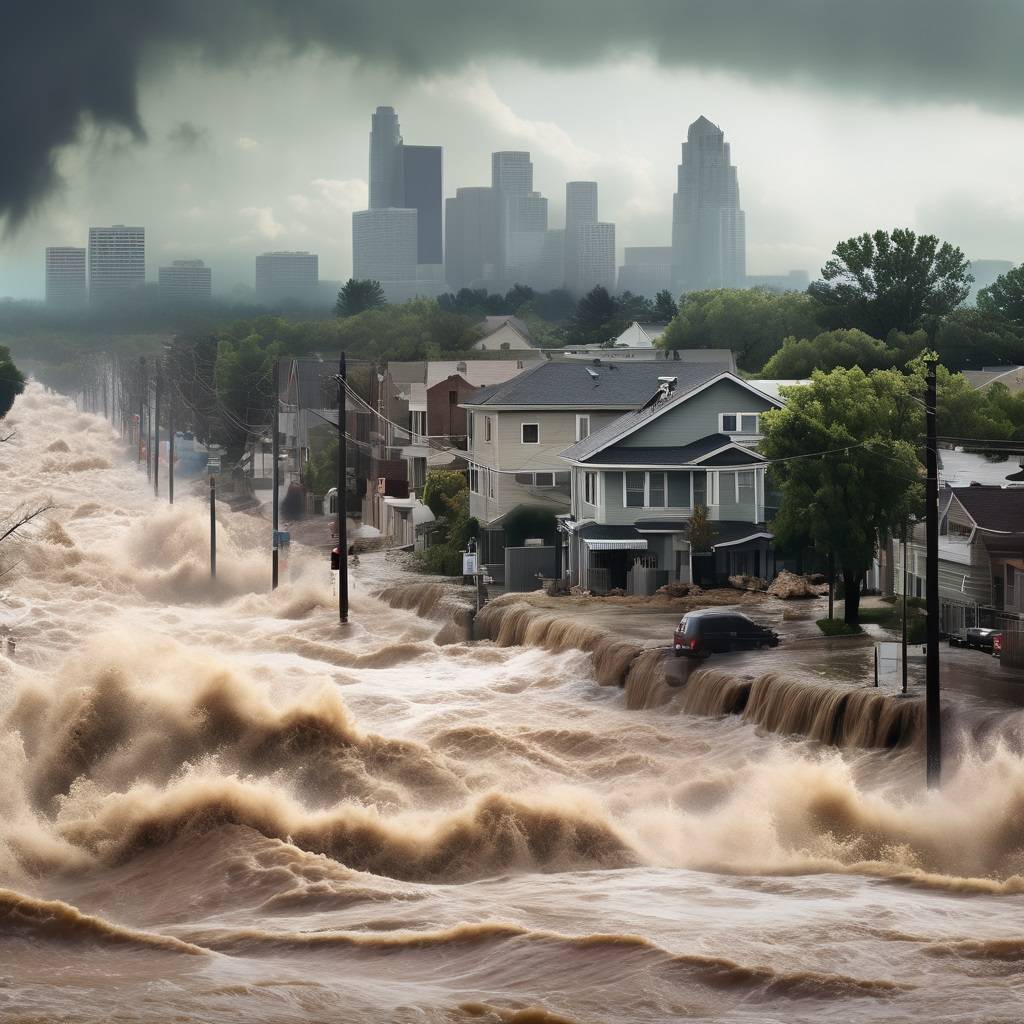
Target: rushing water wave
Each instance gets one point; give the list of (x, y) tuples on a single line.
[(219, 805)]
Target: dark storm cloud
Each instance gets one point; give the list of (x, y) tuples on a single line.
[(186, 137), (66, 62)]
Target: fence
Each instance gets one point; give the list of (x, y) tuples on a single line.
[(1013, 646)]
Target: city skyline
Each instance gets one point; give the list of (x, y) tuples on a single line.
[(789, 191)]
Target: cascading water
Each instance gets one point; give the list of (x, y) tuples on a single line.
[(219, 805)]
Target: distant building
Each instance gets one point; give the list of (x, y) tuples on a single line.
[(595, 256), (985, 273), (472, 246), (504, 332), (793, 281), (420, 189), (385, 142), (185, 281), (580, 209), (708, 227), (287, 275), (65, 276), (526, 226), (512, 173), (384, 249), (117, 261), (647, 270)]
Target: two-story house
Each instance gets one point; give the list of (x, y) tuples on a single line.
[(981, 557), (636, 482), (519, 430)]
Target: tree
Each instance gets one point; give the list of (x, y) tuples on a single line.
[(1005, 296), (632, 307), (358, 296), (751, 322), (865, 481), (245, 388), (969, 339), (596, 319), (702, 530), (665, 308), (518, 296), (440, 487), (890, 281), (12, 381), (831, 349)]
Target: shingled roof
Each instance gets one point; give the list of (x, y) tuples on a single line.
[(999, 509)]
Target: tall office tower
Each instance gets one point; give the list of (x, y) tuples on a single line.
[(65, 276), (420, 190), (117, 261), (580, 209), (647, 270), (512, 172), (287, 275), (185, 282), (595, 256), (384, 244), (385, 159), (472, 238), (526, 225), (709, 248)]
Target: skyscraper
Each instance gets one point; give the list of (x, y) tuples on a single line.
[(385, 140), (595, 256), (65, 276), (647, 270), (420, 190), (185, 282), (709, 248), (580, 209), (526, 225), (384, 247), (117, 261), (287, 275), (472, 240), (512, 172)]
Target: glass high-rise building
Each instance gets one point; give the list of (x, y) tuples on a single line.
[(420, 189), (512, 172), (385, 143), (709, 248), (65, 276), (117, 261), (185, 282), (580, 210)]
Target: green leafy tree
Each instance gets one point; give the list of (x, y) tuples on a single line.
[(12, 381), (962, 410), (971, 338), (665, 308), (630, 307), (889, 281), (244, 376), (518, 296), (750, 322), (359, 296), (865, 482), (1005, 296), (440, 487), (831, 349), (596, 319)]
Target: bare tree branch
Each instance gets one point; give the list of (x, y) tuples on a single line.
[(24, 520)]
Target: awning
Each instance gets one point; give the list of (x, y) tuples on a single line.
[(601, 544)]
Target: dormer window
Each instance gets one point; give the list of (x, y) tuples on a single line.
[(739, 423)]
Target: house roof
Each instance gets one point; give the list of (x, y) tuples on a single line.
[(678, 455), (1011, 376), (559, 385), (490, 324), (632, 421), (960, 468), (594, 530), (994, 509), (478, 372)]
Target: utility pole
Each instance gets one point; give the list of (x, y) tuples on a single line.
[(904, 662), (831, 583), (274, 477), (342, 495), (213, 527), (156, 436), (933, 722), (170, 450)]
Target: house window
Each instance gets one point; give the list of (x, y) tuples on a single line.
[(745, 487), (544, 479), (679, 490), (590, 488), (655, 490), (474, 479), (635, 489), (418, 422), (1011, 585), (700, 488), (531, 433), (739, 423), (487, 429), (470, 419), (491, 482), (959, 530), (582, 427)]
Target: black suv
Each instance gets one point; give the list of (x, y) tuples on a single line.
[(710, 631)]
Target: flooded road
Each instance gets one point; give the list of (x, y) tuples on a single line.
[(219, 807)]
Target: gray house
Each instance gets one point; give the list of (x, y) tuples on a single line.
[(636, 482), (518, 431)]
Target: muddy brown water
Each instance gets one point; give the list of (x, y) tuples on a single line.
[(219, 806)]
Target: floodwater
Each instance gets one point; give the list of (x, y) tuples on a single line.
[(218, 807)]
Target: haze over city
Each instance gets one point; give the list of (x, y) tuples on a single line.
[(258, 141)]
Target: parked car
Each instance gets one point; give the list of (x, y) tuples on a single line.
[(981, 638), (700, 634)]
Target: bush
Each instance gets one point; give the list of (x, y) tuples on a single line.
[(889, 618), (442, 560), (836, 627)]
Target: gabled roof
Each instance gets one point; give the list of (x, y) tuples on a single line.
[(993, 509), (490, 324), (717, 449), (584, 386), (583, 450)]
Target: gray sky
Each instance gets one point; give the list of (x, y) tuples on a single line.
[(270, 152)]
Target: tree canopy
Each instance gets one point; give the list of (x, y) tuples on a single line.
[(866, 481), (12, 381), (968, 339), (750, 322), (597, 318), (358, 296), (1005, 296), (891, 281), (800, 357), (665, 308)]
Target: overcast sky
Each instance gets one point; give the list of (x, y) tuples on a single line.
[(225, 155)]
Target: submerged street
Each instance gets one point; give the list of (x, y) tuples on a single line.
[(222, 806)]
